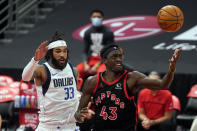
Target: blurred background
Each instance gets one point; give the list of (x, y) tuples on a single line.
[(24, 24)]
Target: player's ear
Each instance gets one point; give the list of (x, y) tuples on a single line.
[(104, 60), (67, 53)]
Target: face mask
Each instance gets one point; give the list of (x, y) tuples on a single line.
[(96, 21)]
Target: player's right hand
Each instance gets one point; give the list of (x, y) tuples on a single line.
[(174, 59), (41, 51)]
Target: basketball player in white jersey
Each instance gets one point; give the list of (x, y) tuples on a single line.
[(56, 86)]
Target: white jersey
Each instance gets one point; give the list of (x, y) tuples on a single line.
[(58, 97)]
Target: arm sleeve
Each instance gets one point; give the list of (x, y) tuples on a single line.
[(169, 105), (29, 70)]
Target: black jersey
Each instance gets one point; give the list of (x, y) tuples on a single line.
[(96, 38), (115, 109)]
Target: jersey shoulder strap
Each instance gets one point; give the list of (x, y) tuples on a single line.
[(72, 68), (97, 82), (45, 86)]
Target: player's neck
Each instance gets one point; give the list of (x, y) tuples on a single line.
[(111, 76), (55, 66)]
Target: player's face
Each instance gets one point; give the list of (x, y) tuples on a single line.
[(60, 57), (114, 61)]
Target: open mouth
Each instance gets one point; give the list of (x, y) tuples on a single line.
[(62, 60), (118, 65)]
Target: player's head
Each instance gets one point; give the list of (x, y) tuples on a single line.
[(112, 56), (96, 17), (57, 51)]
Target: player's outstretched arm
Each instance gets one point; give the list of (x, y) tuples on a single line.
[(167, 79), (32, 65), (84, 110), (137, 79)]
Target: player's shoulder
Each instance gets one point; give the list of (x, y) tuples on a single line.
[(89, 84), (40, 68), (39, 72), (92, 79)]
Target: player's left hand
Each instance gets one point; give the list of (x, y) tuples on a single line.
[(84, 113), (174, 59)]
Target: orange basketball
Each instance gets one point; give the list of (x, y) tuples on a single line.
[(170, 18)]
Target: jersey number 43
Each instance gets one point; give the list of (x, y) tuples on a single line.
[(111, 116)]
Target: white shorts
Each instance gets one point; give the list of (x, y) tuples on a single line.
[(65, 127)]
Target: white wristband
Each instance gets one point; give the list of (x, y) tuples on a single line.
[(29, 70)]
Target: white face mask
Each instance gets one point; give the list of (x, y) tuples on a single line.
[(96, 21)]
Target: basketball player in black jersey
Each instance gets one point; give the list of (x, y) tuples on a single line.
[(113, 92)]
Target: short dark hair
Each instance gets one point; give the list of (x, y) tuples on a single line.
[(57, 36), (107, 49), (97, 11)]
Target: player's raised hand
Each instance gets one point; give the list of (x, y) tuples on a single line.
[(41, 51), (174, 59)]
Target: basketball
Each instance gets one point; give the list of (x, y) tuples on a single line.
[(170, 18)]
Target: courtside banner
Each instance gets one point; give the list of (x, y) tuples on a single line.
[(147, 46), (127, 27)]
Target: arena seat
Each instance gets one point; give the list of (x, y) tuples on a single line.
[(8, 115), (185, 120)]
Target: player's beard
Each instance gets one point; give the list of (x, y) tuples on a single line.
[(58, 65)]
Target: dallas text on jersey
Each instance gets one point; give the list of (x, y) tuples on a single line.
[(63, 82)]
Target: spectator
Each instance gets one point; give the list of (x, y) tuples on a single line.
[(95, 38), (155, 107)]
